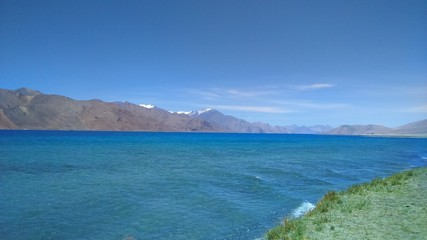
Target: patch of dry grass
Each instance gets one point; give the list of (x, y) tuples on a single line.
[(390, 208)]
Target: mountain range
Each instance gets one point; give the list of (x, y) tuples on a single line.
[(29, 109)]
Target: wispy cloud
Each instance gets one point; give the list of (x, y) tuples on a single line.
[(205, 94), (324, 106), (416, 109), (248, 93), (314, 86), (271, 99), (260, 109), (257, 92), (301, 104), (231, 93)]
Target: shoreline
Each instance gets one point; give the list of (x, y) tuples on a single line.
[(266, 133), (389, 208)]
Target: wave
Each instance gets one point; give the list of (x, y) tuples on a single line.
[(302, 209), (418, 161)]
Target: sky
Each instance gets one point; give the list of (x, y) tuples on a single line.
[(280, 62)]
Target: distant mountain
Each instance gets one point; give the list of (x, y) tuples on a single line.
[(233, 124), (419, 127), (308, 129), (359, 130), (415, 128), (320, 128), (28, 109)]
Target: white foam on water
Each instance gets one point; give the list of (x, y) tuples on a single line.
[(304, 208)]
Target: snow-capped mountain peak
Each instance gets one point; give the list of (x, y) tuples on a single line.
[(204, 111), (147, 105), (184, 112), (193, 113)]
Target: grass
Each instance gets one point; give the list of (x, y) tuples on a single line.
[(326, 203), (390, 208), (291, 229)]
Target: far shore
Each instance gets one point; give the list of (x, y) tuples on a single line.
[(151, 131), (396, 135)]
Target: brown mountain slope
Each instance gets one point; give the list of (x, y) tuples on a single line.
[(419, 127), (359, 130), (233, 124), (5, 122), (28, 109)]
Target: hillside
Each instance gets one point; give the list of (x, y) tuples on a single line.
[(412, 128), (233, 124), (390, 208), (28, 109), (359, 130), (418, 128)]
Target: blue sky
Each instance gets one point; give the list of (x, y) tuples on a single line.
[(280, 62)]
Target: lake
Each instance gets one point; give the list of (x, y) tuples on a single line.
[(143, 185)]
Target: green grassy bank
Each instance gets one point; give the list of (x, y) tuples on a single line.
[(390, 208)]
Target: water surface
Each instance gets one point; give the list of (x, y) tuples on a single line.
[(113, 185)]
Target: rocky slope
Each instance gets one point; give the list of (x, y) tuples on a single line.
[(233, 124), (28, 109), (416, 128), (359, 130), (412, 128)]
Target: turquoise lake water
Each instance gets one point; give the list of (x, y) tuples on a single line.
[(118, 185)]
